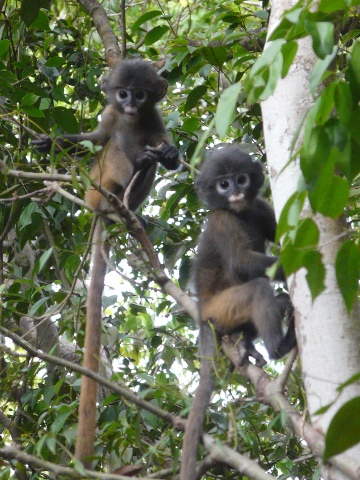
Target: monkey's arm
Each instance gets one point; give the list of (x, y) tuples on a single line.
[(265, 214), (99, 136), (230, 241), (69, 142)]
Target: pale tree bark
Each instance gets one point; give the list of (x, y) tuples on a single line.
[(328, 338)]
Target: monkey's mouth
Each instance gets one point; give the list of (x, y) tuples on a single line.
[(237, 202)]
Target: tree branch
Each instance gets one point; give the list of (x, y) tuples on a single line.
[(59, 177), (177, 422), (13, 452), (271, 392), (104, 29), (241, 463)]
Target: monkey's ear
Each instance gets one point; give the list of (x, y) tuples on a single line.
[(162, 89), (105, 84)]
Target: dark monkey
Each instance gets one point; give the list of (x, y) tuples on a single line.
[(233, 291), (131, 132), (134, 138)]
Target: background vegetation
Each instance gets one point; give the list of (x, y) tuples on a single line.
[(52, 59)]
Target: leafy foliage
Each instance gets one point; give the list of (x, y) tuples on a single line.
[(52, 60)]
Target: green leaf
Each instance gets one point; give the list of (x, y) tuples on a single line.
[(315, 153), (261, 80), (274, 73), (35, 308), (271, 51), (290, 214), (354, 71), (66, 119), (26, 216), (327, 6), (322, 34), (79, 467), (29, 11), (348, 272), (215, 55), (29, 100), (44, 258), (293, 255), (41, 22), (353, 379), (343, 102), (330, 193), (307, 234), (194, 97), (55, 62), (315, 272), (344, 429), (190, 125), (155, 34), (4, 46), (288, 51), (144, 18), (320, 68), (59, 421), (225, 112), (33, 112), (354, 167)]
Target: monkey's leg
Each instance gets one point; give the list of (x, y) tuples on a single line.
[(244, 344), (112, 171), (203, 393), (253, 302), (246, 349), (88, 394)]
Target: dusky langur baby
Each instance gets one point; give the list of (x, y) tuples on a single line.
[(131, 132), (233, 290), (134, 139)]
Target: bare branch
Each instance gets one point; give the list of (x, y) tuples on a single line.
[(13, 452), (271, 392), (36, 176), (104, 29), (177, 422), (241, 463)]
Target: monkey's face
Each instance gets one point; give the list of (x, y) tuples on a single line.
[(232, 191), (229, 178), (131, 102)]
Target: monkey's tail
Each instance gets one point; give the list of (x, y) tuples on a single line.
[(203, 393)]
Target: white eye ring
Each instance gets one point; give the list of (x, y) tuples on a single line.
[(243, 179), (223, 186)]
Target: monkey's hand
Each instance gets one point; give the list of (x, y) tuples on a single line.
[(169, 156), (42, 143), (145, 159)]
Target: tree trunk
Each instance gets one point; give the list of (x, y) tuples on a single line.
[(328, 338)]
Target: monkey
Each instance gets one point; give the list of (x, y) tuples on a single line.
[(234, 293), (134, 139), (131, 132)]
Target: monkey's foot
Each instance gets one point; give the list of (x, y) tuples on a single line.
[(252, 352), (246, 349)]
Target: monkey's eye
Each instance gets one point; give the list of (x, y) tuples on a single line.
[(123, 94), (243, 179), (222, 185), (140, 94)]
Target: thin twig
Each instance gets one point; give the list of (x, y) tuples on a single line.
[(177, 422), (13, 452)]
